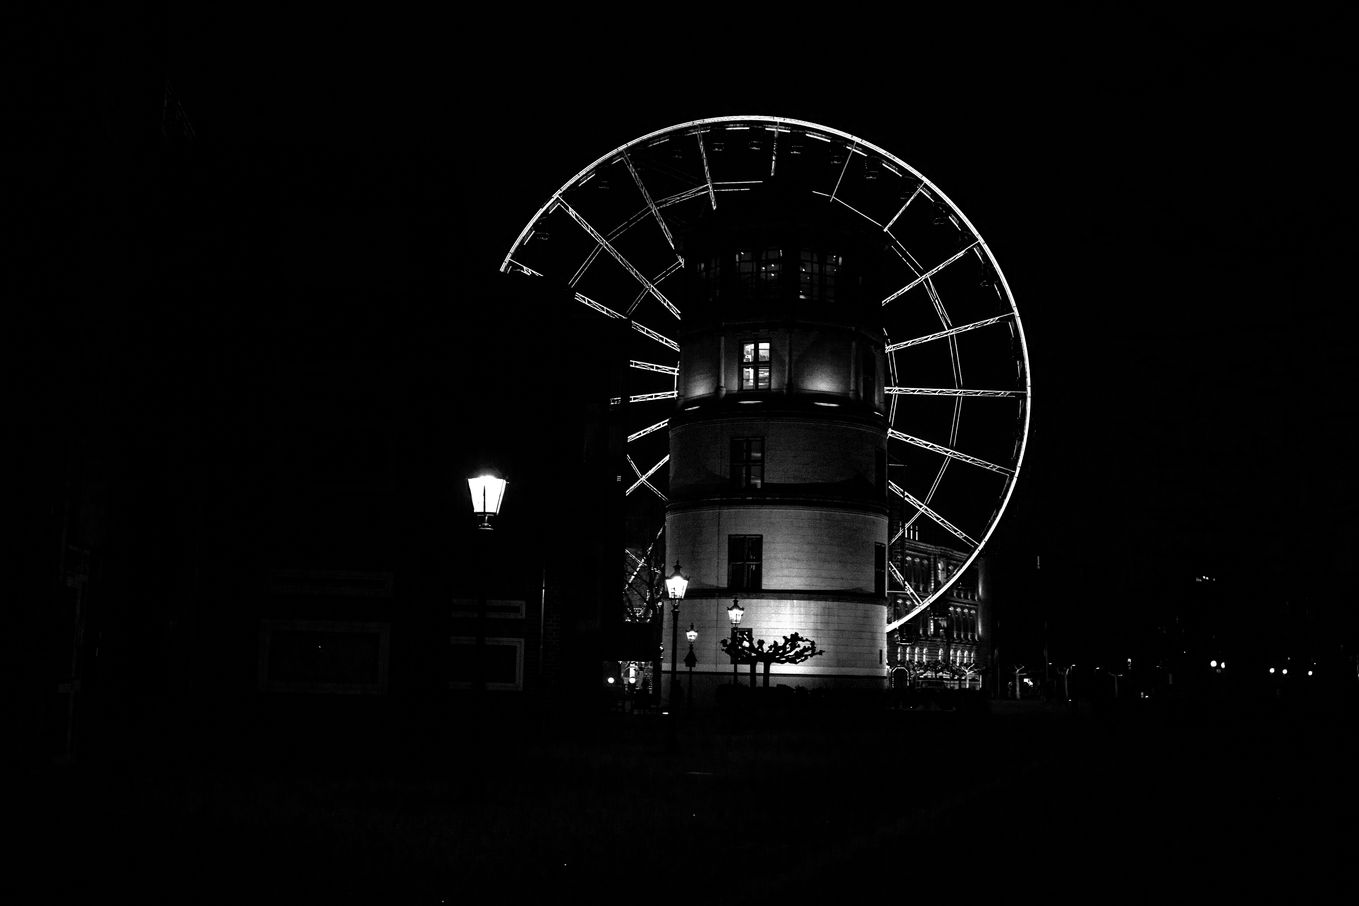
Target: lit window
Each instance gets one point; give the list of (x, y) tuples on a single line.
[(755, 366), (744, 556), (747, 462), (759, 272), (771, 265), (817, 279)]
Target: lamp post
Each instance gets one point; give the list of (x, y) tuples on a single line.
[(675, 584), (734, 614), (690, 661), (487, 490)]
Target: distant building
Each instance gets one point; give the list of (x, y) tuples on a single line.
[(946, 644)]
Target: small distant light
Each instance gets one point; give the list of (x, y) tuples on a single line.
[(610, 681), (823, 403), (1285, 671), (1271, 669), (1309, 673), (1224, 665), (1212, 663)]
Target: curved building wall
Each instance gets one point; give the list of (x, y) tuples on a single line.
[(816, 505)]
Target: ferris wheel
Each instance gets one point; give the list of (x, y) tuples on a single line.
[(958, 386)]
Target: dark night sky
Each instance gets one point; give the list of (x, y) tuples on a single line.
[(1171, 202)]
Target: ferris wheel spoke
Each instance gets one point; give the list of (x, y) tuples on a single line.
[(659, 338), (655, 211), (617, 255), (647, 430), (917, 603), (844, 204), (951, 332), (903, 207), (931, 272), (643, 560), (660, 278), (602, 309), (652, 366), (645, 397), (637, 217), (510, 266), (950, 391), (948, 451), (686, 195), (707, 176), (905, 586), (853, 149), (924, 508), (643, 479)]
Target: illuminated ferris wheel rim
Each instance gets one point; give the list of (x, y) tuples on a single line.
[(862, 146)]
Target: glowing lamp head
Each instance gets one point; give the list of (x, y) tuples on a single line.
[(488, 492), (735, 612), (691, 635), (676, 583)]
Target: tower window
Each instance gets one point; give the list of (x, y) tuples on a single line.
[(747, 462), (755, 366), (817, 279), (710, 278), (771, 266), (759, 272), (744, 557), (746, 269)]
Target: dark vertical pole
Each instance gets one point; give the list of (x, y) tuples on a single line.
[(483, 548), (674, 655), (689, 662), (735, 678)]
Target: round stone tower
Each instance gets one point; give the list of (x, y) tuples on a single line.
[(778, 440)]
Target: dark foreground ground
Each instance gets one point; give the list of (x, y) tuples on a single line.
[(832, 803)]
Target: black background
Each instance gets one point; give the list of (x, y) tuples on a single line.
[(309, 287)]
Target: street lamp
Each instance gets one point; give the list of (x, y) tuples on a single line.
[(690, 661), (676, 585), (734, 614), (487, 490)]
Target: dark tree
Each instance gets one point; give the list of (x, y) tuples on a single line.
[(794, 649)]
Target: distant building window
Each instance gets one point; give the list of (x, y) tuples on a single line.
[(879, 569), (818, 276), (755, 366), (747, 462), (744, 557)]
